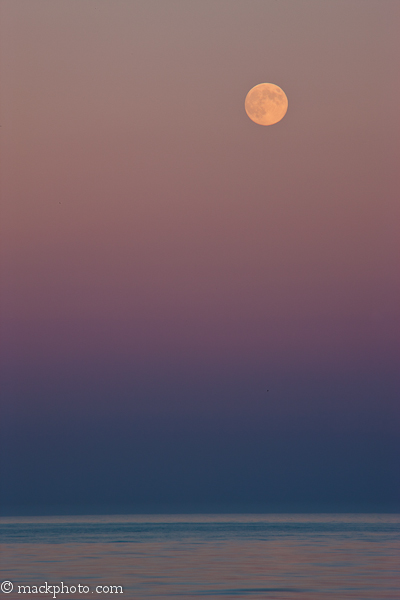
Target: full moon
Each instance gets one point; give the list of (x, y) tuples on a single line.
[(266, 104)]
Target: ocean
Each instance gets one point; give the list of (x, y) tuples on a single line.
[(268, 556)]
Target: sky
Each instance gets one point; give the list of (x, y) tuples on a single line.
[(199, 313)]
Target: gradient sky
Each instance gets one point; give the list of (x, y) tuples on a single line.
[(198, 310)]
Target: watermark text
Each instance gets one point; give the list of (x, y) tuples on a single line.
[(54, 590)]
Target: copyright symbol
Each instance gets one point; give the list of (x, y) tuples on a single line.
[(6, 587)]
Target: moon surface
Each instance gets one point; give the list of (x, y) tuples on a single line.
[(266, 104)]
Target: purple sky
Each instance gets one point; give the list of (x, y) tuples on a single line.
[(164, 257)]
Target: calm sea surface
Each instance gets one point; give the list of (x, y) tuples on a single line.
[(285, 557)]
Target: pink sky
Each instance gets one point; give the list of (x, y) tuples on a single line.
[(145, 217)]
